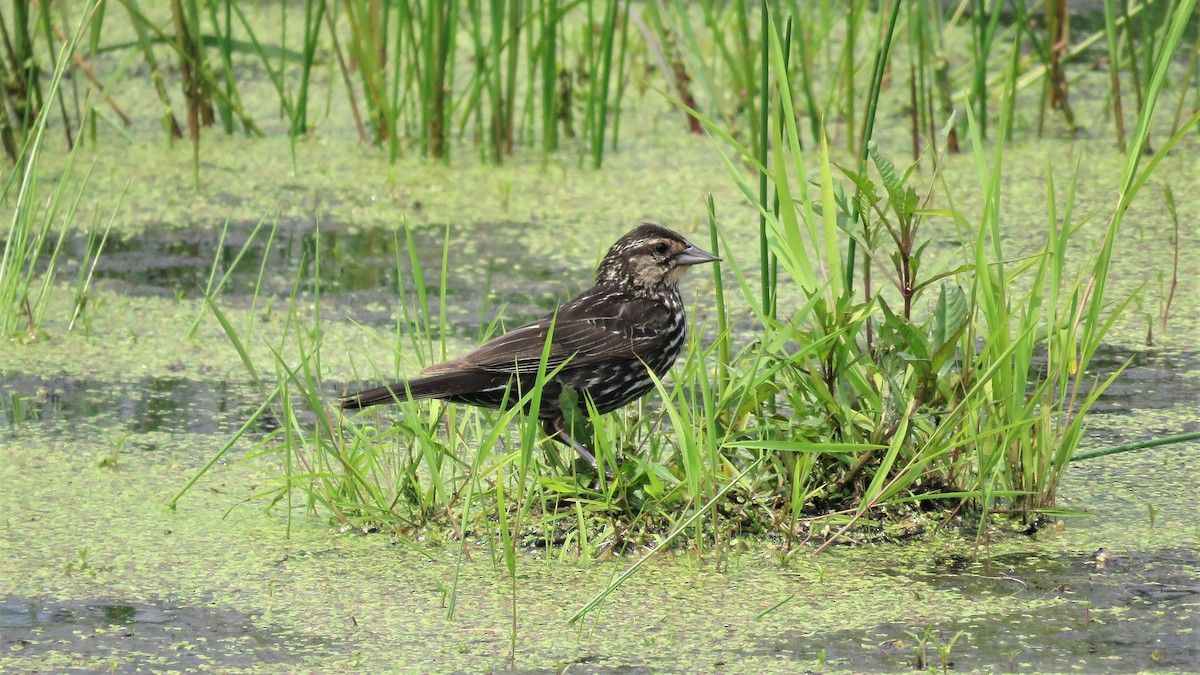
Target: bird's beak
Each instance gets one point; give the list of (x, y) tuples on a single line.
[(692, 255)]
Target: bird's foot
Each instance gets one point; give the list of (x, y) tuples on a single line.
[(556, 429)]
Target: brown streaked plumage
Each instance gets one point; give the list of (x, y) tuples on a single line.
[(606, 339)]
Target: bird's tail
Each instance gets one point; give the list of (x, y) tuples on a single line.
[(441, 385), (377, 396)]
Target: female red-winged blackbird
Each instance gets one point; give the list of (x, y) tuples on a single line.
[(607, 340)]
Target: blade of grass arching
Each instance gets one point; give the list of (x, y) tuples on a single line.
[(1073, 435), (787, 231), (662, 544), (1187, 76), (784, 134), (92, 257), (743, 284), (1162, 153), (210, 289), (38, 304), (750, 156), (1132, 447), (534, 406), (796, 249), (212, 275), (794, 263), (1130, 183), (22, 213), (246, 426), (45, 22), (310, 390), (310, 387), (874, 491), (685, 433), (234, 340), (87, 266), (252, 319)]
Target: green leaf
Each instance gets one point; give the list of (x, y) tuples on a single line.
[(900, 333), (578, 424), (949, 320), (887, 172), (806, 446)]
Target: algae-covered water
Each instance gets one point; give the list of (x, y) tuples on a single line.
[(101, 425)]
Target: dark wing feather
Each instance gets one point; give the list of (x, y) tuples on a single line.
[(590, 329)]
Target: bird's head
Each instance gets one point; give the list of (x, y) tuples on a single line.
[(650, 256)]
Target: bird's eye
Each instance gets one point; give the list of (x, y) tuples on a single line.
[(661, 248)]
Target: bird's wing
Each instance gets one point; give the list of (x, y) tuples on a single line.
[(585, 331)]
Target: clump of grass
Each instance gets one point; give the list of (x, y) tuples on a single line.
[(32, 247), (938, 417)]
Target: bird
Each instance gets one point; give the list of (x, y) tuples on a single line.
[(604, 343)]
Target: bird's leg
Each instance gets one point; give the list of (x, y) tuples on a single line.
[(556, 428)]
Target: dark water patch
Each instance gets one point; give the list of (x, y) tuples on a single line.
[(149, 404), (173, 262), (1154, 379), (135, 636), (1102, 611)]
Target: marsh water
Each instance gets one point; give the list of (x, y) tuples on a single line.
[(101, 425)]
